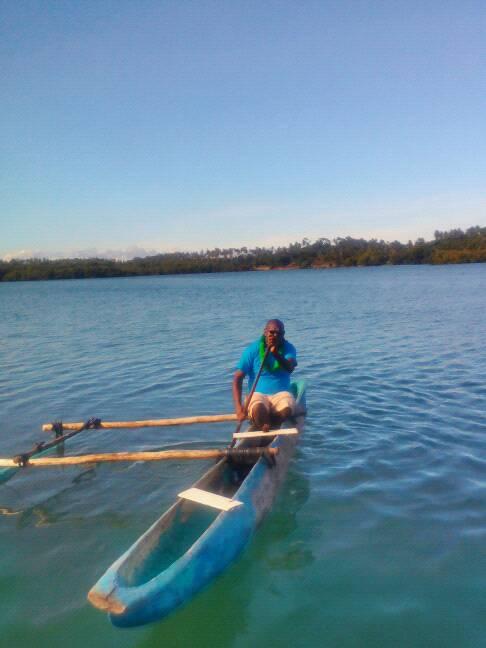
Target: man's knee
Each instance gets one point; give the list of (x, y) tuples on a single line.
[(284, 413), (259, 413), (258, 410)]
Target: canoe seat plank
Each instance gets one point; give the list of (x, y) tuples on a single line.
[(209, 499), (260, 434)]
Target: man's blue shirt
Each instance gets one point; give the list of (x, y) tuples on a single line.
[(270, 382)]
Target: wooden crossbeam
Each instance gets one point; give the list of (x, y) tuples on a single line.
[(209, 499), (260, 434), (151, 455), (187, 420)]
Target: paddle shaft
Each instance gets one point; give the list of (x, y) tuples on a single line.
[(162, 455)]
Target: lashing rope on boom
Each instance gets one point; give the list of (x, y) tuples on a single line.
[(22, 459), (57, 428)]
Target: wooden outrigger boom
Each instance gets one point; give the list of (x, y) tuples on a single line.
[(160, 455), (65, 431), (167, 422)]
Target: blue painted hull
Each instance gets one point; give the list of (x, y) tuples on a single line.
[(134, 594)]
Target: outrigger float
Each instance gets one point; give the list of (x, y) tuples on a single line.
[(205, 529)]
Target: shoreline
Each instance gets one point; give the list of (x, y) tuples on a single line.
[(454, 247), (292, 268)]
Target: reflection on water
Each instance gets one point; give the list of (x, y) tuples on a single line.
[(287, 552)]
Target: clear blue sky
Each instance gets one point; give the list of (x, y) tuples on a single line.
[(186, 125)]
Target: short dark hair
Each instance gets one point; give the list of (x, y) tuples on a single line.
[(279, 323)]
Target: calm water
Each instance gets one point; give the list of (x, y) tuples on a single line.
[(378, 536)]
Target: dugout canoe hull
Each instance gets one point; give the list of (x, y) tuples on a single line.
[(189, 545)]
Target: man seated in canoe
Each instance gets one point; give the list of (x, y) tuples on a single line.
[(272, 401)]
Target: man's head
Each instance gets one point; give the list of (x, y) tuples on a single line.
[(274, 332)]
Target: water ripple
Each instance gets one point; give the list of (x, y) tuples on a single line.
[(380, 528)]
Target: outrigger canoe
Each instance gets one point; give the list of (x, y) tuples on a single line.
[(191, 543)]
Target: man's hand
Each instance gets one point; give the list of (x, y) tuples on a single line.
[(241, 414), (287, 363)]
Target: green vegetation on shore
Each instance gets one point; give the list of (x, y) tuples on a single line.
[(454, 246)]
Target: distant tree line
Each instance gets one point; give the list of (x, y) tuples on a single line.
[(455, 246)]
